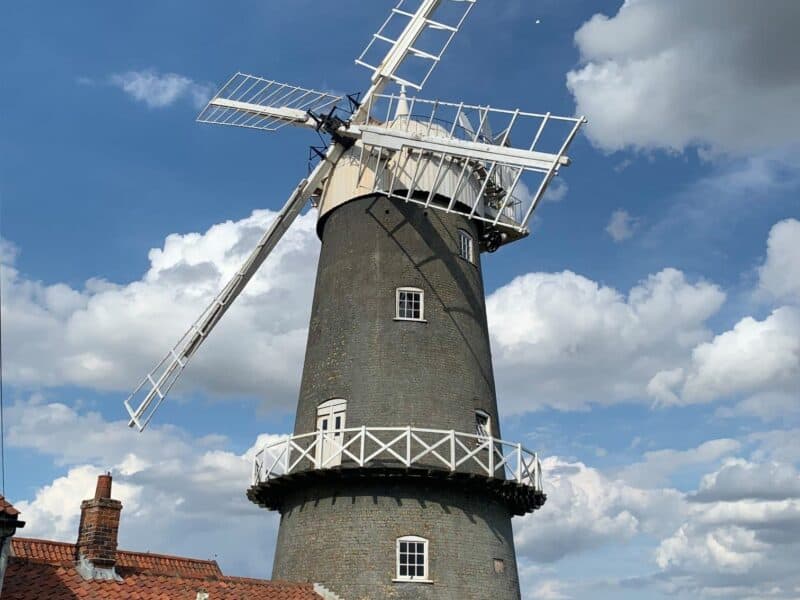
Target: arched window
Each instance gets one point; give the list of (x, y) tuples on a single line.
[(466, 246), (410, 304), (412, 558)]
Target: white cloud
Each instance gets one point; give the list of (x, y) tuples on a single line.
[(754, 356), (556, 191), (108, 336), (741, 549), (767, 406), (585, 510), (55, 510), (180, 495), (675, 74), (779, 276), (158, 90), (550, 589), (739, 479), (621, 226), (659, 465), (737, 536), (562, 340)]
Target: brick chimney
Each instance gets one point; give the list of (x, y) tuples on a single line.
[(97, 533)]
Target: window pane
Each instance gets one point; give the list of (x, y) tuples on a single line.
[(409, 304), (403, 570)]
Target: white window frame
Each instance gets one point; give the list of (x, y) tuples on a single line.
[(483, 414), (466, 246), (421, 293), (425, 578)]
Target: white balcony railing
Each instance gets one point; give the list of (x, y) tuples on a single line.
[(406, 446)]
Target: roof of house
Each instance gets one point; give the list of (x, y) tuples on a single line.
[(6, 508), (46, 569)]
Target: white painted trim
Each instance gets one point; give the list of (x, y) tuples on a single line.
[(414, 539), (326, 594), (415, 290)]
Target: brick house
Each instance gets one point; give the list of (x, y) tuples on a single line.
[(94, 569)]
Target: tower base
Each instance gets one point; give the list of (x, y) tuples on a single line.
[(470, 541)]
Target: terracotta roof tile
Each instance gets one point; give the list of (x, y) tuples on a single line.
[(131, 562), (6, 508), (45, 569)]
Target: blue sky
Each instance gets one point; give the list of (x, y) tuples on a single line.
[(645, 337)]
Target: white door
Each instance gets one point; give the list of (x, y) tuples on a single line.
[(330, 423)]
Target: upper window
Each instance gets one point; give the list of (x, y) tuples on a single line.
[(483, 424), (412, 558), (410, 304), (466, 246)]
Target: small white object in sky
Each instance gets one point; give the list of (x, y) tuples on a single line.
[(538, 21)]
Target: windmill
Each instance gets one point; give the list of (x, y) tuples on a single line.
[(397, 409)]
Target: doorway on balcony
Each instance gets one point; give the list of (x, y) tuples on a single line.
[(330, 423)]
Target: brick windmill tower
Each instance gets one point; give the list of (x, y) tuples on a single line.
[(396, 482)]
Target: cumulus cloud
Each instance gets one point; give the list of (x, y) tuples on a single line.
[(756, 362), (586, 509), (621, 226), (180, 494), (659, 465), (779, 276), (753, 356), (159, 90), (562, 340), (739, 479), (736, 536), (681, 73), (742, 549), (108, 336), (767, 406)]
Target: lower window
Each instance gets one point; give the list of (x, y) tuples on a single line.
[(412, 558)]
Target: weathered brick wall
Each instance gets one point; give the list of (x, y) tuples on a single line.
[(344, 537), (97, 534), (397, 373)]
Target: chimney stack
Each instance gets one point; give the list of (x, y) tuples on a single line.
[(97, 533)]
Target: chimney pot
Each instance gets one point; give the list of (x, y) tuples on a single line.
[(103, 489)]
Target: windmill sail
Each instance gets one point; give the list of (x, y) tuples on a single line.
[(423, 41), (440, 153), (257, 103), (148, 395)]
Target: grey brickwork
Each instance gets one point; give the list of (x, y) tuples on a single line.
[(397, 373), (344, 536), (339, 529)]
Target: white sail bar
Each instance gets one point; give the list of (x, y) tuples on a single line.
[(256, 103), (443, 155), (421, 39), (150, 393)]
